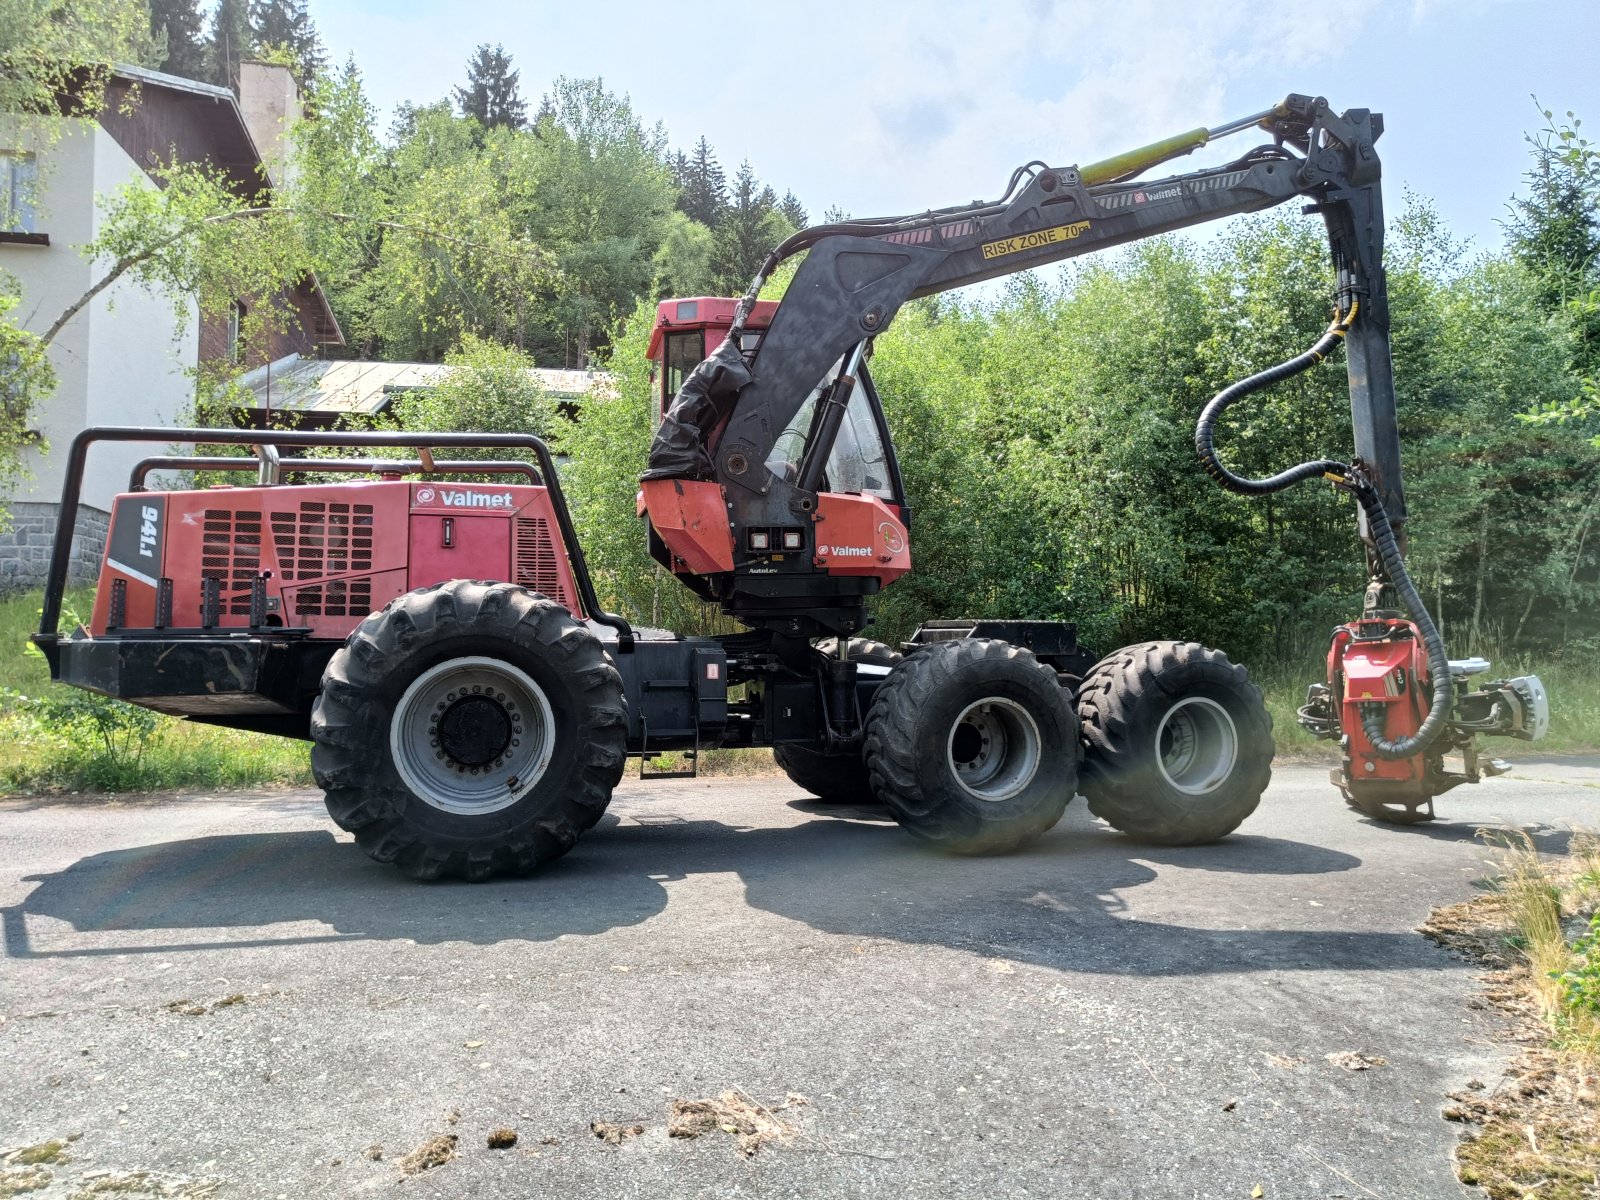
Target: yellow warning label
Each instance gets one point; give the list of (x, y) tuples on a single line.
[(1034, 241)]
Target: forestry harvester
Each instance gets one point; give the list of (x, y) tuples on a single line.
[(471, 705)]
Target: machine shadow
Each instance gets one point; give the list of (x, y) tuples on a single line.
[(1058, 903)]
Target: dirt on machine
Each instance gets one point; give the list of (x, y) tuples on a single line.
[(471, 706)]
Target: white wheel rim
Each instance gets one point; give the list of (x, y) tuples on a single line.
[(994, 749), (472, 735), (1197, 745)]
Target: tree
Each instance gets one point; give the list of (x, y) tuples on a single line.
[(702, 188), (51, 48), (183, 26), (683, 263), (751, 227), (491, 93), (285, 25), (232, 41), (601, 205), (490, 388), (793, 211)]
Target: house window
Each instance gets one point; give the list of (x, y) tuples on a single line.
[(19, 178)]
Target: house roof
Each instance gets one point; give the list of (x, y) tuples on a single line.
[(195, 122), (334, 388)]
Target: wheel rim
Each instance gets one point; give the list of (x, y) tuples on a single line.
[(1196, 745), (994, 748), (472, 735)]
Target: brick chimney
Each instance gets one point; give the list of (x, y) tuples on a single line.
[(269, 98)]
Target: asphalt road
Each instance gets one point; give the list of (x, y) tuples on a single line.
[(1089, 1018)]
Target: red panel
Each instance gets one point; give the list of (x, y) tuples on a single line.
[(1392, 672), (691, 516), (860, 535), (479, 547), (335, 552)]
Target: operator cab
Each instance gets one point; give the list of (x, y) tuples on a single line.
[(735, 544)]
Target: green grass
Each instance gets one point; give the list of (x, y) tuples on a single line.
[(43, 756), (38, 756), (1574, 690)]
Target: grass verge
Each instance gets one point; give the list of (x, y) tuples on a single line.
[(1537, 1131), (70, 742), (54, 738)]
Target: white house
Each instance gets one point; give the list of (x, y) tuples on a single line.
[(124, 359)]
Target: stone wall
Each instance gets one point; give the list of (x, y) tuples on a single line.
[(25, 546)]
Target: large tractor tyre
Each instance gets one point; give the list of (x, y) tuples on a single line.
[(972, 745), (469, 729), (1177, 743), (836, 778)]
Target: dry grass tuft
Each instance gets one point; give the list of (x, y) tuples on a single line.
[(613, 1134), (434, 1152), (1536, 1132), (735, 1112)]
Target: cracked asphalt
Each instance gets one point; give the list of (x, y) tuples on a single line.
[(1088, 1018)]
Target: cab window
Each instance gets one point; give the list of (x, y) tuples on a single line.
[(682, 354)]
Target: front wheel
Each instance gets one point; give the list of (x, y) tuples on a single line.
[(1177, 743), (971, 744), (469, 729)]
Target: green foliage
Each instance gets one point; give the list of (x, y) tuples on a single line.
[(25, 377), (489, 390), (54, 737), (491, 96), (286, 27), (1580, 983), (67, 47), (232, 41), (182, 28)]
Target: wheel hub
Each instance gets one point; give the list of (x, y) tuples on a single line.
[(1196, 745), (475, 730), (994, 748), (472, 735)]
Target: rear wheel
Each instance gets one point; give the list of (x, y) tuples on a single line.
[(972, 746), (836, 778), (469, 729), (1177, 742)]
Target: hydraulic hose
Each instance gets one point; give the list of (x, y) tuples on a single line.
[(1353, 479)]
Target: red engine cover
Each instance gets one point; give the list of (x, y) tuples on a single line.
[(331, 553)]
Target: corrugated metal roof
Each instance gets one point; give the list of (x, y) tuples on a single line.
[(337, 387)]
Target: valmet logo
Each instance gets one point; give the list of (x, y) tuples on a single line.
[(461, 498)]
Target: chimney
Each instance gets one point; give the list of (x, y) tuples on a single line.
[(269, 98)]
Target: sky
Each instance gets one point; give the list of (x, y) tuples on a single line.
[(886, 108)]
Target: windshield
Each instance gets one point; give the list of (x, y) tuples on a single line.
[(857, 463)]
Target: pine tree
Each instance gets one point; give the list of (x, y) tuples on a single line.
[(1554, 230), (286, 25), (232, 41), (184, 27), (703, 189), (793, 211), (751, 226), (491, 93)]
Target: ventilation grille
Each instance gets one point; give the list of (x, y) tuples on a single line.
[(230, 552), (340, 598), (536, 563), (323, 539)]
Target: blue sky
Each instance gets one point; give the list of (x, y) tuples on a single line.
[(887, 108)]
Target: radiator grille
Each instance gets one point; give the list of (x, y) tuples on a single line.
[(536, 563), (230, 553), (337, 598), (323, 538)]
